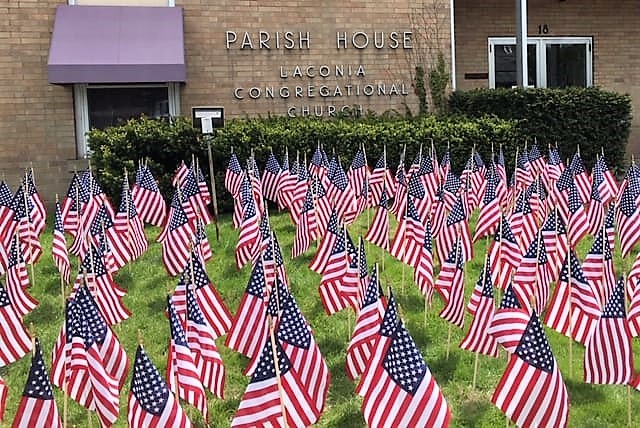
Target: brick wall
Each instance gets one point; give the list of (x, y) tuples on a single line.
[(612, 24), (36, 118), (214, 72)]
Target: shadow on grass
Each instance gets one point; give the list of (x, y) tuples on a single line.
[(583, 393), (445, 367), (471, 411)]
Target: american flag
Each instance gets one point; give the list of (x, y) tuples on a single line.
[(363, 272), (405, 393), (318, 167), (88, 381), (532, 279), (31, 246), (428, 175), (179, 234), (560, 192), (595, 209), (14, 338), (608, 357), (581, 177), (18, 282), (628, 215), (201, 341), (271, 178), (107, 293), (409, 237), (423, 270), (359, 171), (609, 186), (233, 175), (509, 321), (505, 254), (146, 196), (151, 404), (38, 213), (418, 194), (128, 225), (531, 391), (249, 232), (182, 375), (296, 338), (445, 164), (367, 325), (249, 328), (554, 236), (275, 386), (451, 189), (72, 204), (180, 175), (574, 309), (523, 220), (523, 177), (4, 391), (577, 223), (438, 213), (59, 247), (481, 307), (490, 213), (322, 204), (319, 262), (455, 229), (378, 233), (7, 225), (450, 285), (634, 313), (554, 164), (201, 242), (536, 159), (288, 182), (341, 191), (37, 407), (335, 272), (380, 179), (191, 192), (598, 269), (215, 311), (306, 227)]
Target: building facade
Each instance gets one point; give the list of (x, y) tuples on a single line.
[(69, 66)]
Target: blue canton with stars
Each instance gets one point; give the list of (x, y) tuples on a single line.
[(358, 160), (102, 217), (5, 195), (147, 181), (457, 214), (416, 188), (577, 274), (533, 252), (147, 385), (38, 385), (194, 313), (178, 216), (485, 282), (362, 259), (93, 262), (177, 332), (277, 299), (403, 361), (390, 320), (256, 285), (534, 347), (272, 165), (234, 164), (4, 297), (58, 225), (554, 156), (509, 299), (266, 368), (94, 319), (293, 327), (373, 289), (200, 278), (577, 165), (615, 305)]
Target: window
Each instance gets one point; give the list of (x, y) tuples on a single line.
[(553, 62), (99, 106)]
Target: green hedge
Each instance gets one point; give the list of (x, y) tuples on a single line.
[(165, 144), (161, 143), (590, 118)]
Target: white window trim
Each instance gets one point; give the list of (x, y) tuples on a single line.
[(541, 60), (81, 108)]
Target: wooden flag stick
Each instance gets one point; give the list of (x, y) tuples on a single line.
[(346, 256), (276, 364), (570, 314), (214, 196), (484, 276)]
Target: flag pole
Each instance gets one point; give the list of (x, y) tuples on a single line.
[(276, 364), (477, 357), (214, 196), (455, 267), (570, 312), (346, 258), (30, 225), (128, 207)]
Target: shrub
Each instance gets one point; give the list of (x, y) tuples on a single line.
[(589, 118), (162, 143)]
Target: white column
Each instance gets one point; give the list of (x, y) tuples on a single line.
[(521, 43)]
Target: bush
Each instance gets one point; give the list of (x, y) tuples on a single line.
[(345, 136), (589, 118), (165, 144), (162, 143)]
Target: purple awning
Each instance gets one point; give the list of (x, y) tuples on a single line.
[(117, 44)]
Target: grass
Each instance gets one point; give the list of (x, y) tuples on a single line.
[(147, 284)]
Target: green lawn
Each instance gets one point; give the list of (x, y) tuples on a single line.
[(147, 284)]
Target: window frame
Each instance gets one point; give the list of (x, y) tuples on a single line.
[(81, 107), (541, 55)]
